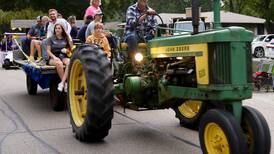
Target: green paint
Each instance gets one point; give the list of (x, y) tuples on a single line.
[(217, 16), (231, 34), (237, 110)]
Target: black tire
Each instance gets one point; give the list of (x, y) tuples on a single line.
[(226, 127), (57, 98), (6, 64), (96, 93), (31, 85), (256, 130), (259, 52), (193, 121)]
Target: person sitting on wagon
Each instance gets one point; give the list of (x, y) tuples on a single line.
[(58, 46), (32, 34), (82, 32), (35, 44), (98, 16), (50, 30), (98, 37), (74, 30)]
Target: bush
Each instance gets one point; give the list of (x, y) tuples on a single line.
[(7, 16)]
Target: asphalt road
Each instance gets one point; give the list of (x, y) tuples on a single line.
[(29, 126)]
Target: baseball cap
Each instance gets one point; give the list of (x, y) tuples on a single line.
[(38, 18), (98, 12)]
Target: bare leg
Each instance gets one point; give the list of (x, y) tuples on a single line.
[(66, 62), (32, 50), (38, 48), (59, 67)]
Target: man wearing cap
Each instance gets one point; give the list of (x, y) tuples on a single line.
[(82, 32), (35, 44), (97, 18), (139, 16), (33, 33)]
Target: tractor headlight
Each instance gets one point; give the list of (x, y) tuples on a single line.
[(139, 57)]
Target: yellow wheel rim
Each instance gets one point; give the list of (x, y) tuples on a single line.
[(215, 139), (78, 93), (249, 135), (190, 108)]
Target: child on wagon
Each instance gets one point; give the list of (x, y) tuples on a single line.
[(98, 37)]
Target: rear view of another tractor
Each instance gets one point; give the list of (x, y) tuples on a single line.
[(203, 76)]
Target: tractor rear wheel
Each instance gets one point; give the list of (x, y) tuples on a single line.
[(219, 132), (31, 86), (189, 113), (256, 130), (90, 93)]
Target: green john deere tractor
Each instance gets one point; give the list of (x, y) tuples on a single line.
[(202, 76)]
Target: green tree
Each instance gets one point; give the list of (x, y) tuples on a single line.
[(260, 8), (263, 9), (7, 16), (237, 6)]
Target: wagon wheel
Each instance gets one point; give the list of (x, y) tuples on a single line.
[(256, 130), (220, 133), (6, 64), (57, 98), (90, 94), (189, 113), (31, 85)]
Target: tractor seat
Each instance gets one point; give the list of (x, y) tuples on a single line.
[(124, 45)]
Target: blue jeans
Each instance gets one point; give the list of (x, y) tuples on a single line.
[(132, 39)]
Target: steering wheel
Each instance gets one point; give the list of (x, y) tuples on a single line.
[(140, 30)]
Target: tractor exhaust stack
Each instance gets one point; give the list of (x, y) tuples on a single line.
[(195, 16), (217, 16)]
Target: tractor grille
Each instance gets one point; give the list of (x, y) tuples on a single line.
[(219, 63), (249, 62)]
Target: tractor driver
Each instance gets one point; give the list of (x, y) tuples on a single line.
[(139, 16)]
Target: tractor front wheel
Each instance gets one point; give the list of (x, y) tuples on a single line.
[(256, 130), (90, 94), (219, 132)]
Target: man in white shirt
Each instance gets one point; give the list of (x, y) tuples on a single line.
[(53, 16)]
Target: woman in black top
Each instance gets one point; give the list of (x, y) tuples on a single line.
[(58, 46)]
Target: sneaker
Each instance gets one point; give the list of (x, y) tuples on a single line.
[(60, 87), (43, 62), (31, 59), (39, 59), (66, 88)]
